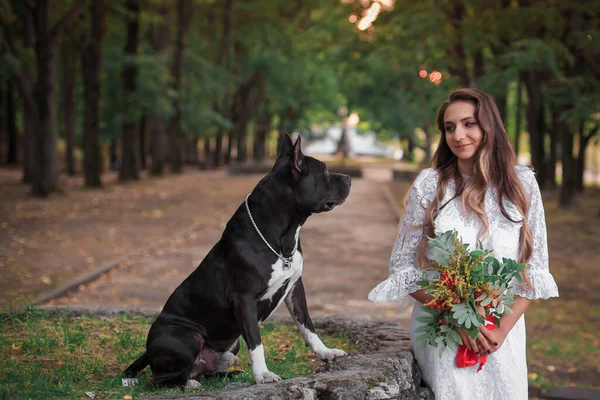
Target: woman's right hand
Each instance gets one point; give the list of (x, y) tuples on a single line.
[(483, 345)]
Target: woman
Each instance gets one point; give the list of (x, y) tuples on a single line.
[(476, 189)]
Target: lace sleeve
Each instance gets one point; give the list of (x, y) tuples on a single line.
[(403, 273), (543, 285)]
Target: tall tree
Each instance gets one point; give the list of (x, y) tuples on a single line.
[(129, 166), (11, 126), (91, 62), (159, 38), (176, 135), (69, 78), (39, 96)]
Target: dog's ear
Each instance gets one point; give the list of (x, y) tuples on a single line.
[(287, 147), (297, 159)]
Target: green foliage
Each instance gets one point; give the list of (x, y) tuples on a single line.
[(471, 287)]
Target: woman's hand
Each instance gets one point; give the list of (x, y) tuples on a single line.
[(486, 343)]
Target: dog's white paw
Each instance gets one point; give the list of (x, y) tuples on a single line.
[(331, 354), (193, 384), (266, 377)]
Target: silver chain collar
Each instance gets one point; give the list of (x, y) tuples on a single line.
[(287, 261)]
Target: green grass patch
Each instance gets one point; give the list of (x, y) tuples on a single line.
[(46, 355)]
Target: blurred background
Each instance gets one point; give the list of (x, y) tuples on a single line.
[(123, 122), (89, 86)]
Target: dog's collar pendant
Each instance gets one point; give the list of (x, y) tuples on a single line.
[(286, 261)]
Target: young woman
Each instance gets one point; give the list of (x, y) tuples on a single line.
[(475, 188)]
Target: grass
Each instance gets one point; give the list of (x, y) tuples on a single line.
[(563, 345), (50, 355)]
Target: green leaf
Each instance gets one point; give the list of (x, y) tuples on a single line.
[(467, 323), (431, 311), (476, 253), (426, 319), (422, 337), (473, 333), (423, 328), (455, 336)]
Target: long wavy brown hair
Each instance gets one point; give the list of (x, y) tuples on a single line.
[(494, 165)]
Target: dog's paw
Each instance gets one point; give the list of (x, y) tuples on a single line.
[(193, 384), (331, 354), (266, 377)]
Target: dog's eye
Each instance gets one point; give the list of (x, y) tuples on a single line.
[(326, 174)]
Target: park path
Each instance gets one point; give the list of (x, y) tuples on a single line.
[(346, 253)]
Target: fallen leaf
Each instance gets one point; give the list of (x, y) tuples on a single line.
[(551, 368), (533, 376)]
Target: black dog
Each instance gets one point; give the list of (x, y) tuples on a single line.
[(255, 266)]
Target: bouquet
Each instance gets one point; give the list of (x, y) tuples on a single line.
[(474, 288)]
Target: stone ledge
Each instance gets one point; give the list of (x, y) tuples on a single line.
[(383, 367)]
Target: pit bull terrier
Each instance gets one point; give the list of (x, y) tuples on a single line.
[(254, 267)]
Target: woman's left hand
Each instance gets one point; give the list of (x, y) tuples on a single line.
[(490, 340)]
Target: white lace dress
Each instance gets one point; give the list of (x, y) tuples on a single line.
[(504, 376)]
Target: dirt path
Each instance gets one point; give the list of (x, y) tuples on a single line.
[(346, 253), (47, 242)]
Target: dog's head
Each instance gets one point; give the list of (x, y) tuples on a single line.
[(315, 189)]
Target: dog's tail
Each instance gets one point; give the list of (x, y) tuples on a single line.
[(138, 365)]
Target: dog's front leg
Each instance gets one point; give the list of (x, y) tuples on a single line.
[(247, 319), (296, 304)]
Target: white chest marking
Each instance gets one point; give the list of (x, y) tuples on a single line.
[(279, 275)]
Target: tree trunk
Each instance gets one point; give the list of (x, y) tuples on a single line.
[(584, 140), (230, 146), (11, 126), (157, 146), (69, 70), (456, 52), (218, 150), (191, 151), (263, 126), (159, 37), (91, 62), (427, 159), (183, 20), (410, 149), (207, 154), (535, 116), (45, 171), (501, 103), (129, 166), (223, 60), (143, 142), (518, 115), (29, 106), (115, 165), (343, 146), (567, 190), (554, 144)]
